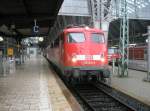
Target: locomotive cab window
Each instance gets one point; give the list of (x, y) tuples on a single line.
[(75, 37), (97, 38), (56, 43)]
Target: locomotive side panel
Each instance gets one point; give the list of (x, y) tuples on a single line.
[(53, 54)]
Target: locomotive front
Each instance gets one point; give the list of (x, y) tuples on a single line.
[(85, 53)]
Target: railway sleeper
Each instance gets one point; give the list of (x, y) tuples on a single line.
[(112, 109), (99, 100), (108, 107)]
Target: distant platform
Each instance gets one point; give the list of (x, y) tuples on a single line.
[(140, 65), (133, 85)]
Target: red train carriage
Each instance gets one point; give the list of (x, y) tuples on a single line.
[(138, 53), (113, 54), (80, 52)]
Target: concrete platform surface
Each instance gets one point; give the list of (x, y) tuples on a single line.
[(33, 87), (138, 65), (133, 85)]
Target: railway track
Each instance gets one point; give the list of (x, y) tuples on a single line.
[(98, 100), (97, 96)]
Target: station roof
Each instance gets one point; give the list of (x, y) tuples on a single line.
[(137, 29), (17, 16)]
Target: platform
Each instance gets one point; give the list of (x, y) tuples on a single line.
[(133, 85), (33, 87), (138, 65)]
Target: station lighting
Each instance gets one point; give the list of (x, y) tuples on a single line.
[(86, 27), (1, 39), (113, 47), (132, 44), (146, 40), (41, 39)]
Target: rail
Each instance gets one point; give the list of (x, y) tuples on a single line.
[(98, 100), (98, 96), (122, 97)]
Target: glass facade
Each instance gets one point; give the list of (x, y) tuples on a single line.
[(137, 9), (75, 8)]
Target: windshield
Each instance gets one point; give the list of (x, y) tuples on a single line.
[(112, 51), (97, 38), (76, 37)]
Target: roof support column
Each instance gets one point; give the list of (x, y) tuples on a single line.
[(148, 57)]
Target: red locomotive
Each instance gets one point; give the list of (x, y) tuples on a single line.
[(113, 53), (80, 52)]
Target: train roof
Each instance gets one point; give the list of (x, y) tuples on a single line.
[(82, 29)]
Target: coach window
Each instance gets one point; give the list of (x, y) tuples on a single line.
[(75, 37), (52, 45), (62, 39), (97, 38), (56, 43)]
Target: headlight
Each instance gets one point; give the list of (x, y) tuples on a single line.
[(103, 59), (100, 57), (74, 59)]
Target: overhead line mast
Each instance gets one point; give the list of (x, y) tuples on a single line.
[(124, 40)]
